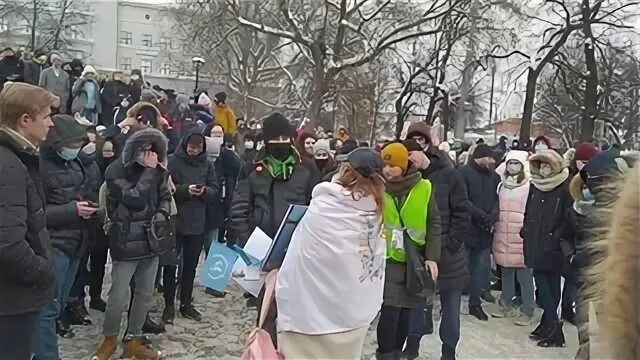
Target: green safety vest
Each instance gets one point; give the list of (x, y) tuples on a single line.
[(413, 213)]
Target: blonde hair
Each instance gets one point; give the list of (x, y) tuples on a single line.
[(17, 99), (361, 186)]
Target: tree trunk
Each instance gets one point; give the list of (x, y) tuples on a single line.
[(590, 111), (34, 22), (56, 38), (467, 75), (399, 118), (527, 113), (445, 115)]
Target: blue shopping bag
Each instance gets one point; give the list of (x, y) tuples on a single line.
[(218, 267)]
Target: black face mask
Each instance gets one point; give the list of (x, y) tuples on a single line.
[(321, 163), (279, 151)]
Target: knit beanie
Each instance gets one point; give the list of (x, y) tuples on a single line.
[(396, 155), (482, 151), (585, 152), (275, 126), (322, 145)]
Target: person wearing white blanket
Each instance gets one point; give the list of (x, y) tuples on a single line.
[(330, 285)]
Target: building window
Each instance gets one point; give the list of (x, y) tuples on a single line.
[(125, 63), (164, 43), (147, 41), (125, 38), (164, 70), (145, 66)]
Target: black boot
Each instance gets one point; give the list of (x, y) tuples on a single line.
[(428, 313), (215, 293), (569, 315), (75, 313), (152, 327), (98, 304), (479, 314), (412, 349), (540, 332), (168, 314), (387, 356), (190, 312), (555, 338), (64, 330), (487, 296)]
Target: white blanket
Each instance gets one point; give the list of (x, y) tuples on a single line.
[(332, 278)]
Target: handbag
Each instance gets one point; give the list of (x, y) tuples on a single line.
[(161, 234), (259, 345)]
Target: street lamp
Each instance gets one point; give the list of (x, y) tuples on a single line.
[(197, 63)]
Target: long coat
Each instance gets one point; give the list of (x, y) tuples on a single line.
[(59, 85), (508, 246)]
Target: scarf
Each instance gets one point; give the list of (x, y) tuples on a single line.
[(511, 182), (90, 88), (551, 182), (400, 189), (280, 169)]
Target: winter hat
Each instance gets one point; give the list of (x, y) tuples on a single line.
[(204, 100), (396, 155), (221, 97), (275, 126), (322, 145), (482, 151), (54, 57), (412, 145), (88, 69), (550, 157), (419, 128), (585, 152), (347, 146), (147, 95)]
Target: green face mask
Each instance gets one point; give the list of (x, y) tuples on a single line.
[(68, 154)]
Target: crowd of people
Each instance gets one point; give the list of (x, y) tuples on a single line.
[(152, 179)]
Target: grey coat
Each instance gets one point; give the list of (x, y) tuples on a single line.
[(59, 85), (80, 96)]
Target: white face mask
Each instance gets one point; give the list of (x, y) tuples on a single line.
[(545, 170), (260, 145), (248, 145), (541, 147)]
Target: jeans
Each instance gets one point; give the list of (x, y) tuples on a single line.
[(143, 272), (18, 335), (480, 270), (97, 265), (450, 302), (548, 284), (190, 246), (525, 279), (65, 270), (81, 280), (393, 328)]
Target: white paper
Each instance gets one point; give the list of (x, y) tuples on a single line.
[(251, 278)]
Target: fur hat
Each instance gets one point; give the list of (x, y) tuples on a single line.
[(275, 126), (396, 155)]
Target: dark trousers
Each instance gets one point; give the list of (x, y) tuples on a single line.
[(569, 292), (480, 270), (393, 328), (81, 280), (548, 284), (17, 335), (190, 246), (582, 320), (450, 322), (97, 265)]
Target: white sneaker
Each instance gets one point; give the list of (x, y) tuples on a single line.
[(523, 320), (505, 311)]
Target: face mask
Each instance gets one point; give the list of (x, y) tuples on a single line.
[(321, 163), (541, 147), (248, 145), (89, 149), (140, 158), (135, 77), (545, 170), (279, 151), (68, 154), (587, 195), (514, 168), (259, 145)]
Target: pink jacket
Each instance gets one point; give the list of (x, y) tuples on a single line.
[(507, 243)]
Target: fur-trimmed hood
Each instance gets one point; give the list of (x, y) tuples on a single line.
[(149, 136), (550, 157), (134, 111)]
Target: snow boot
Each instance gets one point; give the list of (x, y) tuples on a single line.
[(541, 331), (555, 338), (412, 348), (107, 348)]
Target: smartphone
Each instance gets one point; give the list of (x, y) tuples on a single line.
[(93, 204)]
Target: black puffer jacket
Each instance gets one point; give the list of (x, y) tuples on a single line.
[(135, 195), (484, 207), (185, 171), (452, 202), (546, 224), (27, 278), (65, 183), (262, 200)]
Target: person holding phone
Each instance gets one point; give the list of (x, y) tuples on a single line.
[(196, 187), (68, 217)]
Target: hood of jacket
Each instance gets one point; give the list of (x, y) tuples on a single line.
[(438, 160), (65, 130), (134, 111), (544, 139), (522, 157), (182, 149), (602, 173), (421, 128), (141, 138)]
